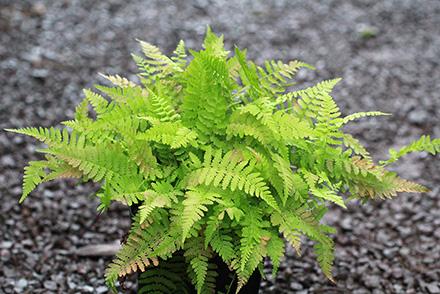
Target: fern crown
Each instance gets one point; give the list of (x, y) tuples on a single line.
[(219, 160)]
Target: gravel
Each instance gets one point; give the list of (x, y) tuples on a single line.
[(387, 53)]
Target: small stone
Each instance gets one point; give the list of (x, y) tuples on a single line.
[(9, 273), (397, 273), (101, 289), (425, 228), (404, 251), (398, 288), (7, 161), (372, 282), (437, 233), (418, 116), (346, 224), (88, 289), (433, 288), (6, 244), (50, 285), (390, 253), (405, 232), (382, 237), (296, 286), (21, 285)]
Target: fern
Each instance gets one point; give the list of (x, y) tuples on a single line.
[(219, 163), (424, 143)]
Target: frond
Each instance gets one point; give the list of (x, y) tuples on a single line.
[(389, 186), (156, 61), (142, 154), (226, 172), (137, 253), (424, 143), (33, 176), (249, 76), (223, 244), (198, 259), (275, 250), (169, 276), (207, 96), (100, 105), (275, 75), (322, 191), (161, 105), (316, 102), (173, 134), (52, 137), (353, 143), (362, 114), (195, 207), (180, 55), (255, 260), (119, 81)]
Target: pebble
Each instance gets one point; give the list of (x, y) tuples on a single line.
[(405, 232), (296, 286), (372, 282), (424, 228), (21, 285), (101, 289), (418, 116), (433, 288), (50, 285)]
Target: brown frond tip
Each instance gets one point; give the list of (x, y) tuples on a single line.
[(390, 186)]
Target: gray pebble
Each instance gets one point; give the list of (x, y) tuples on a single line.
[(433, 288), (296, 286), (50, 285), (418, 116), (372, 282)]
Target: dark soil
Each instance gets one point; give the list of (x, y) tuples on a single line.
[(387, 53)]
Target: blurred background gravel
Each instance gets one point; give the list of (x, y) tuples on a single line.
[(387, 53)]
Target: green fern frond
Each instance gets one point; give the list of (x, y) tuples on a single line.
[(180, 55), (222, 244), (249, 76), (225, 174), (119, 81), (275, 75), (214, 44), (351, 142), (315, 101), (198, 259), (285, 172), (52, 137), (424, 143), (173, 134), (362, 114), (33, 176), (254, 260), (195, 207), (275, 250), (155, 58), (322, 191), (168, 277), (100, 105), (324, 251), (161, 105)]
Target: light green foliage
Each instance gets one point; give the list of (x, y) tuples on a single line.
[(220, 161)]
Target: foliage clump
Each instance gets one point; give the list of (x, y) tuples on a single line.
[(219, 160)]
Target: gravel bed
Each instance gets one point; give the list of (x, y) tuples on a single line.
[(387, 53)]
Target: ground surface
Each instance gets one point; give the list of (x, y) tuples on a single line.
[(387, 53)]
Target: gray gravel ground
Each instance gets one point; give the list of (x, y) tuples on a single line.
[(387, 53)]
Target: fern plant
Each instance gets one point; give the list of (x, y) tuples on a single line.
[(219, 160)]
